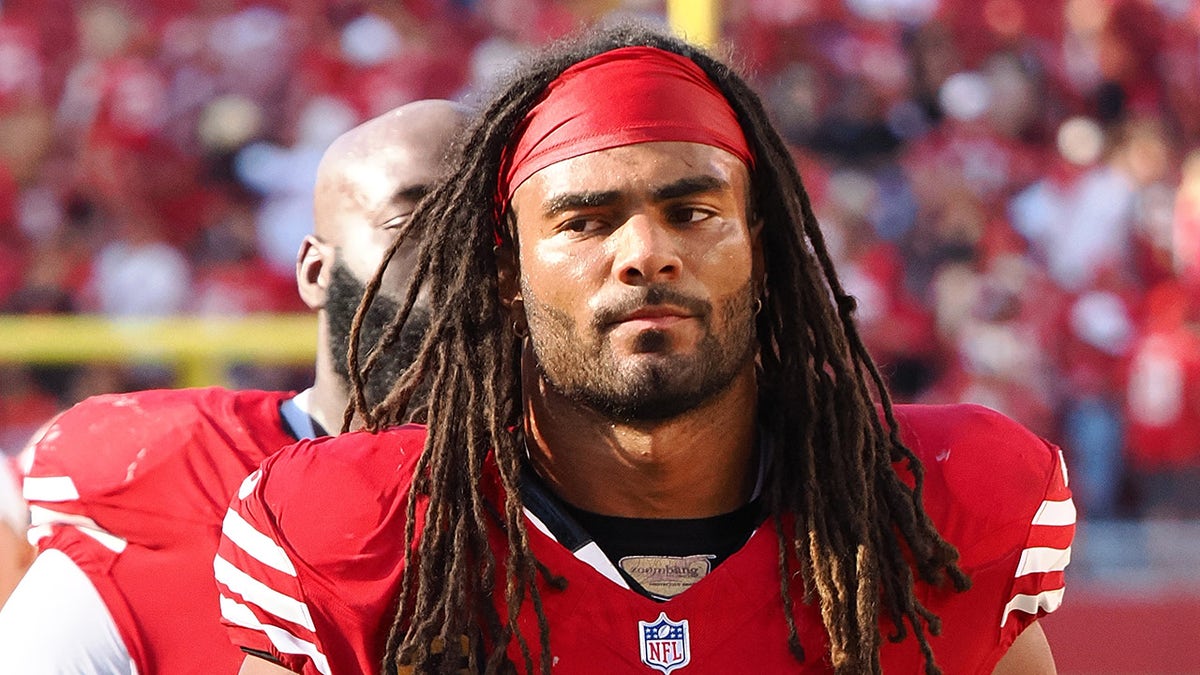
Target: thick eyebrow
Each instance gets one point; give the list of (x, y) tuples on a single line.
[(404, 197), (689, 186), (681, 188), (411, 194), (577, 200)]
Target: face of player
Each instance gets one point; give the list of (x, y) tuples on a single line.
[(380, 191), (639, 275)]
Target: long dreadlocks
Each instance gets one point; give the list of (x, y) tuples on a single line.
[(846, 522)]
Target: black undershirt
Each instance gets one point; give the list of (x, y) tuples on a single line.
[(718, 536), (714, 538)]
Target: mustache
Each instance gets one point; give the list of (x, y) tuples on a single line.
[(656, 294)]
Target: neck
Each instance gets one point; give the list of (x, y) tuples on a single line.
[(699, 464), (327, 402), (330, 392)]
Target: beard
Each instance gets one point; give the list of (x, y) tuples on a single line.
[(342, 298), (652, 384)]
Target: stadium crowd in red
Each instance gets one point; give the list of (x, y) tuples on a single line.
[(1012, 187)]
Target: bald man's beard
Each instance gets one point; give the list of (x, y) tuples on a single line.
[(341, 302)]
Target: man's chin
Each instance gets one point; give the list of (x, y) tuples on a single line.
[(648, 388), (645, 407), (647, 355), (655, 343)]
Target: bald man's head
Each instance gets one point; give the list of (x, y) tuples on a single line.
[(379, 169), (368, 183)]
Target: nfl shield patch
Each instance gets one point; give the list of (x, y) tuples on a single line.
[(665, 644)]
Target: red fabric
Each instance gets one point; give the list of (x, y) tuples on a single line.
[(244, 287), (1163, 395), (1186, 237), (621, 97), (157, 469), (26, 406), (334, 508), (1163, 401), (133, 102)]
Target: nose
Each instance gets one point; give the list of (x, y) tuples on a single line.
[(645, 252)]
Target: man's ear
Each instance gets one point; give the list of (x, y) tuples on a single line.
[(314, 265)]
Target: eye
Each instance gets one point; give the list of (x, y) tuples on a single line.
[(395, 222), (583, 225), (683, 215)]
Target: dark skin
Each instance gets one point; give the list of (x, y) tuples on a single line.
[(368, 183)]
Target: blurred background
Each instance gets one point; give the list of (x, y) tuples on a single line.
[(1011, 188)]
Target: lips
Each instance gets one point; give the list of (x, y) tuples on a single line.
[(654, 306), (654, 316)]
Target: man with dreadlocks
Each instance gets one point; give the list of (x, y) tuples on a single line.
[(129, 490), (655, 441)]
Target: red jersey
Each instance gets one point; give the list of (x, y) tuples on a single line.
[(312, 554), (1163, 400), (133, 487)]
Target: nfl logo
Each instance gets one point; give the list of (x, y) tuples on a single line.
[(665, 643)]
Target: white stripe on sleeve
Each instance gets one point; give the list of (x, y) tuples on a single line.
[(270, 600), (42, 522), (258, 545), (248, 484), (283, 640), (1030, 604), (49, 489), (1040, 559), (1055, 513)]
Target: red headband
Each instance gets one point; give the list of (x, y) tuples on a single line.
[(621, 97)]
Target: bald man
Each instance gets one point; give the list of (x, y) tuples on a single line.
[(128, 492)]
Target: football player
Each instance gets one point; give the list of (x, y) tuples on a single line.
[(655, 441), (129, 491)]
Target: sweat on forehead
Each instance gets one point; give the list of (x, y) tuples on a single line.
[(620, 97)]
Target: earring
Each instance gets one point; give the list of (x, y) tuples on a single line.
[(519, 325), (758, 306)]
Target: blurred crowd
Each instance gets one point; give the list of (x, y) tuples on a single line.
[(1010, 188)]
